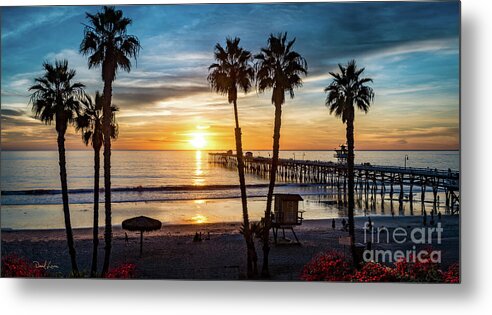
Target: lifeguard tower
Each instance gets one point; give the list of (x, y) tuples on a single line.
[(286, 214)]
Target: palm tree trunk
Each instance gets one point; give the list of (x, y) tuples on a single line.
[(66, 209), (108, 234), (95, 224), (273, 173), (350, 171), (251, 252)]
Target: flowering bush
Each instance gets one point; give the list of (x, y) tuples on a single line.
[(125, 271), (419, 271), (333, 266), (330, 266), (374, 272), (452, 275), (14, 266)]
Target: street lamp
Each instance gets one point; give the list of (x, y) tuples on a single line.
[(406, 159)]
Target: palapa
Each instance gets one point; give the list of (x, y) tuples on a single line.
[(141, 224)]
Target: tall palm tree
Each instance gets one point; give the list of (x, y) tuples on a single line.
[(232, 72), (278, 68), (108, 45), (90, 123), (347, 90), (55, 98)]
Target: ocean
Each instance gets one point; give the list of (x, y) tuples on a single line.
[(177, 187)]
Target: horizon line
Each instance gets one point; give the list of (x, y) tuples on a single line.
[(225, 150)]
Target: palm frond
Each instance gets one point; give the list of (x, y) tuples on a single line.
[(55, 95), (90, 120), (348, 89), (106, 41), (280, 68), (232, 69)]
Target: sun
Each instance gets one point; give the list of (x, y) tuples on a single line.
[(198, 141)]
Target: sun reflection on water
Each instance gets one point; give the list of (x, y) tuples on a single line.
[(199, 219), (198, 179)]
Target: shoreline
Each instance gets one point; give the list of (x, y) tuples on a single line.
[(170, 253), (212, 225), (317, 205), (194, 198)]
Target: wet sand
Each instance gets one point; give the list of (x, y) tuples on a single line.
[(170, 253)]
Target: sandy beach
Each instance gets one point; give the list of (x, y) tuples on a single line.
[(170, 253)]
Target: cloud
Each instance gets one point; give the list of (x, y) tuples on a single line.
[(444, 45), (415, 133), (33, 20), (148, 96), (12, 112), (409, 49), (401, 141)]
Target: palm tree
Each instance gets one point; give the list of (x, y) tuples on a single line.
[(278, 68), (55, 98), (346, 91), (108, 45), (231, 73), (89, 122)]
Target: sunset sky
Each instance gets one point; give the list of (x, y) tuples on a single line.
[(411, 50)]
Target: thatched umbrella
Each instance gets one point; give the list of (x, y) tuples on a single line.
[(142, 224)]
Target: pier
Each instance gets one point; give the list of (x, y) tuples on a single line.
[(402, 184)]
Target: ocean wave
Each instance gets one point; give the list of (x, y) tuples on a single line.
[(154, 199), (37, 192), (159, 194)]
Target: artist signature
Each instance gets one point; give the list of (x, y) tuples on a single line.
[(47, 265)]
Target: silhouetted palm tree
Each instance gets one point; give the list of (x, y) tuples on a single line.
[(233, 71), (55, 98), (346, 91), (89, 122), (278, 68), (108, 45)]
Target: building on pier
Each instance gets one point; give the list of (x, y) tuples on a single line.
[(341, 154)]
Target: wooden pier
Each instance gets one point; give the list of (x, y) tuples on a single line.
[(370, 180)]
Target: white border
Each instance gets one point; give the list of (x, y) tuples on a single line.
[(180, 297)]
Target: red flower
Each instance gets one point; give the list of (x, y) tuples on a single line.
[(333, 266), (452, 275), (423, 270), (330, 266), (374, 272), (124, 271), (14, 266)]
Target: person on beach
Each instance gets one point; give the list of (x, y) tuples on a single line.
[(333, 223), (126, 239)]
